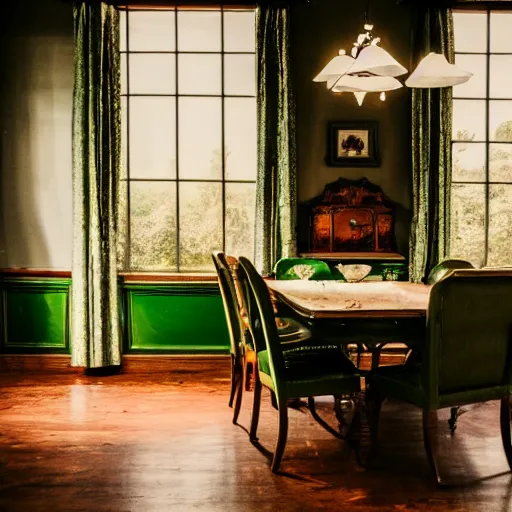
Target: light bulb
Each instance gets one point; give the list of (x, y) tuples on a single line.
[(382, 96)]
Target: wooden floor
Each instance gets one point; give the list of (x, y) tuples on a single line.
[(164, 443)]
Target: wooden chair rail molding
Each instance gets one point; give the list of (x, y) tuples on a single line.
[(125, 276), (34, 272)]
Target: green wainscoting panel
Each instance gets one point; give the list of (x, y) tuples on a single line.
[(175, 317), (170, 317), (35, 315)]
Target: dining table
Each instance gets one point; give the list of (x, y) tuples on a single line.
[(369, 314)]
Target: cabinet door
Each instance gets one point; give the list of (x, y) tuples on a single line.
[(386, 233), (353, 230), (321, 232)]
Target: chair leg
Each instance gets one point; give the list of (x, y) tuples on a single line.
[(374, 400), (506, 422), (255, 407), (249, 368), (273, 400), (282, 436), (452, 422), (430, 440), (234, 372), (240, 387), (320, 421)]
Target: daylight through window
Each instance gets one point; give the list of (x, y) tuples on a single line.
[(481, 214), (189, 137)]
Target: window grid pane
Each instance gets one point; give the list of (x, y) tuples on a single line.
[(199, 202), (481, 193)]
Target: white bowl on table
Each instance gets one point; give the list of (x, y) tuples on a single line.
[(354, 273)]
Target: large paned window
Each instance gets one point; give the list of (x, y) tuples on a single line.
[(481, 217), (189, 137)]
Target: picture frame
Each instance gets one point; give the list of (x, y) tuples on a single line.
[(352, 144)]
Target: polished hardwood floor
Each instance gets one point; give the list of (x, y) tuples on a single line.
[(154, 443)]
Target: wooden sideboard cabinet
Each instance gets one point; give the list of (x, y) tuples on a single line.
[(347, 229), (349, 216)]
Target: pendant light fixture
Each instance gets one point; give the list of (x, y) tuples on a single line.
[(370, 68), (435, 71)]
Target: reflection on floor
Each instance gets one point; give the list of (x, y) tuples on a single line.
[(155, 443)]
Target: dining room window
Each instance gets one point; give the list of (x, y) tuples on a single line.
[(189, 137), (481, 191)]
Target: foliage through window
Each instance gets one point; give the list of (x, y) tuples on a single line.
[(481, 194), (189, 137)]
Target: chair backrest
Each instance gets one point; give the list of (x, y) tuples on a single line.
[(261, 317), (446, 266), (468, 349), (283, 269), (229, 300)]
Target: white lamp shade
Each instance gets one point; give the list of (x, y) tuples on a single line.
[(366, 84), (335, 68), (377, 61), (435, 71), (332, 81)]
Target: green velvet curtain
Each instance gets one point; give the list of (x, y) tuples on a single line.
[(276, 183), (96, 159), (431, 147)]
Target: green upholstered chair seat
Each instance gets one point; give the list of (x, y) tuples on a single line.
[(291, 331), (314, 370)]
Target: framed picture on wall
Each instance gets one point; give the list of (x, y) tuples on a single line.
[(352, 144)]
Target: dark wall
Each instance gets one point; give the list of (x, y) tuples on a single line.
[(319, 30)]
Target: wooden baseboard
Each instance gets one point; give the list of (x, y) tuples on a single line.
[(188, 365), (142, 364), (40, 363)]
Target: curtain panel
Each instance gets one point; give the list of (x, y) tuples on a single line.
[(431, 147), (95, 337), (276, 182)]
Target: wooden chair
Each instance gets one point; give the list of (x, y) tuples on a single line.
[(441, 270), (243, 356), (236, 329), (310, 370), (466, 357)]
